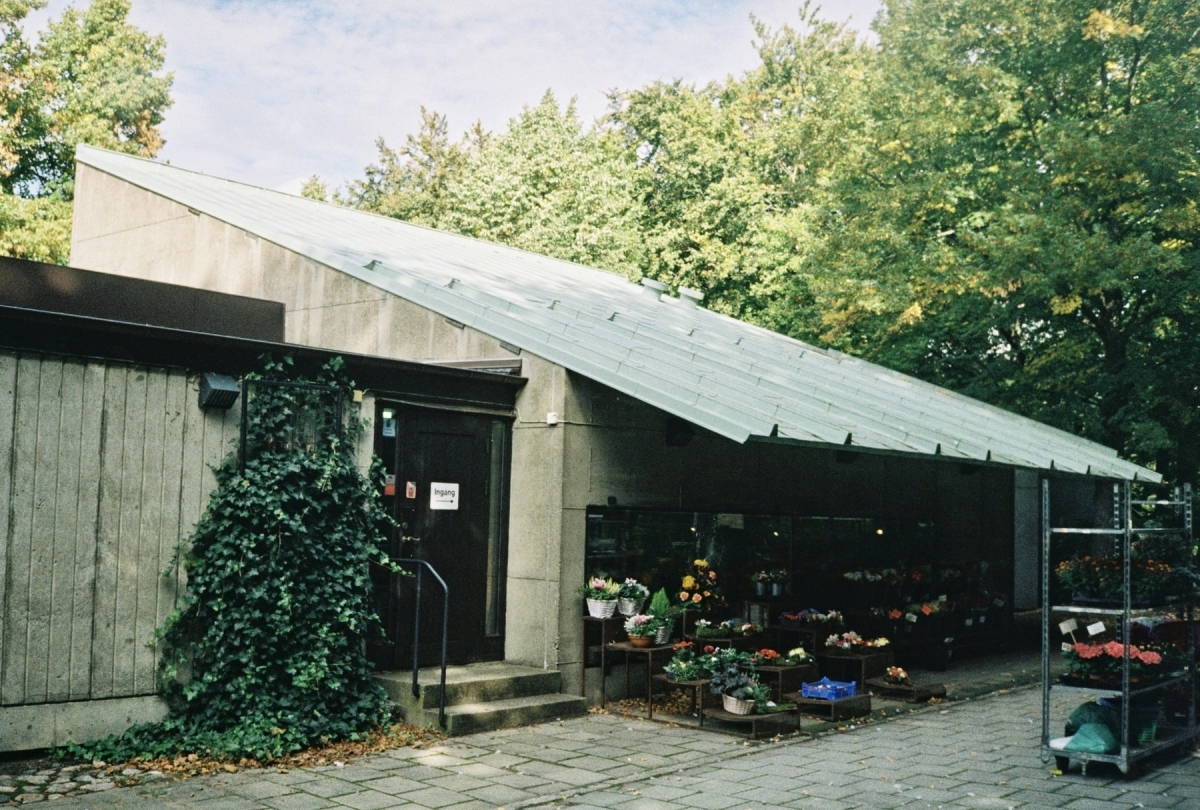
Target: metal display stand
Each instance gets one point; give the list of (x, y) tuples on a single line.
[(1123, 533)]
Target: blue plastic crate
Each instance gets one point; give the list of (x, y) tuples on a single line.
[(826, 689)]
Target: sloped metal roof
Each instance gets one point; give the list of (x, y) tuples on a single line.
[(736, 379)]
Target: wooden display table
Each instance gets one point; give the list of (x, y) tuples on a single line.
[(698, 688), (604, 626), (910, 693), (628, 648), (761, 725), (834, 710), (858, 667), (786, 679)]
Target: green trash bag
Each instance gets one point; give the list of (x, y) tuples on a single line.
[(1092, 712), (1093, 738)]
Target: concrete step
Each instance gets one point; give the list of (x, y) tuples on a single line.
[(482, 697), (471, 718), (473, 683)]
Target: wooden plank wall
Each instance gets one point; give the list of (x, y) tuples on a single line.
[(104, 468)]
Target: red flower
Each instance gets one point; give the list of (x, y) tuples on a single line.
[(1115, 649), (1151, 657), (1088, 651), (709, 649)]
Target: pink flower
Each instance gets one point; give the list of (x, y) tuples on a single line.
[(1150, 657), (709, 649)]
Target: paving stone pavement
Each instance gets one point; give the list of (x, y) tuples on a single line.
[(973, 754)]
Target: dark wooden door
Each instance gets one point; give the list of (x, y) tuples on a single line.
[(459, 530)]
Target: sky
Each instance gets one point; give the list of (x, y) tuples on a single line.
[(271, 92)]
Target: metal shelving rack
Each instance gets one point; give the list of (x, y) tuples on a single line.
[(1123, 531)]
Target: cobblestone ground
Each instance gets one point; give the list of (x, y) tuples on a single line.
[(980, 753)]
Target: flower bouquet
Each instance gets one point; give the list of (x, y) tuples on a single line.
[(896, 676), (631, 596), (762, 581), (601, 596), (642, 629), (698, 590)]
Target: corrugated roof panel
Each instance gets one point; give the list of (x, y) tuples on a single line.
[(730, 377)]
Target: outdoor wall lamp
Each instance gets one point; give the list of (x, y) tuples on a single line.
[(218, 391)]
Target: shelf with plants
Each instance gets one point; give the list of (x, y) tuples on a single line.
[(1121, 581)]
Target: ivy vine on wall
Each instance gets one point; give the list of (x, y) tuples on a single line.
[(266, 654)]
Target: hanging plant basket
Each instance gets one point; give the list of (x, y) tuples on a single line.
[(736, 706), (602, 608)]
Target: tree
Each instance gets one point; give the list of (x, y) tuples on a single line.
[(90, 78), (1025, 229)]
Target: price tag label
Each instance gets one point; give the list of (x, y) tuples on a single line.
[(1066, 647), (969, 623), (1067, 627), (912, 617), (942, 598), (895, 614), (1096, 629), (926, 609), (999, 601), (983, 619)]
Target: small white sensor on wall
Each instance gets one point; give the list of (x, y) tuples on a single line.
[(552, 418)]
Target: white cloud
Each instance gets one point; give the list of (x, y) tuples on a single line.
[(270, 91)]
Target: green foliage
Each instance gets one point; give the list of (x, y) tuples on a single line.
[(998, 196), (90, 77), (266, 655), (660, 605)]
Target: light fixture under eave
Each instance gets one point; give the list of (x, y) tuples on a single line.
[(218, 391)]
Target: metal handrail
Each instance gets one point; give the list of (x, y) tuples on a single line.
[(416, 647)]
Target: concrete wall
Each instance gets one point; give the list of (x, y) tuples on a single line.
[(104, 467), (122, 229)]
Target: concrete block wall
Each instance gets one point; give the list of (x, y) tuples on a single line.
[(122, 229)]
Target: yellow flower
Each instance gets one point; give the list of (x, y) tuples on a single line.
[(701, 563), (706, 593), (689, 582)]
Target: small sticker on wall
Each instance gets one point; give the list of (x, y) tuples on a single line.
[(410, 489), (389, 485)]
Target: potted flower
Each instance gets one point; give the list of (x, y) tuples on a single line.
[(727, 629), (631, 596), (736, 687), (641, 629), (896, 676), (685, 665), (601, 596), (1094, 664), (851, 643), (662, 609), (778, 578), (1101, 579)]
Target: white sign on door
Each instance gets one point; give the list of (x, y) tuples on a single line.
[(443, 496)]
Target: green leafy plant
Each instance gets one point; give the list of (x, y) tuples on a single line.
[(266, 655), (660, 605)]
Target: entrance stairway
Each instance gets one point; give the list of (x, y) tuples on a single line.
[(482, 697)]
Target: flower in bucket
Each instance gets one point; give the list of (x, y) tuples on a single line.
[(642, 625), (698, 589), (896, 675)]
